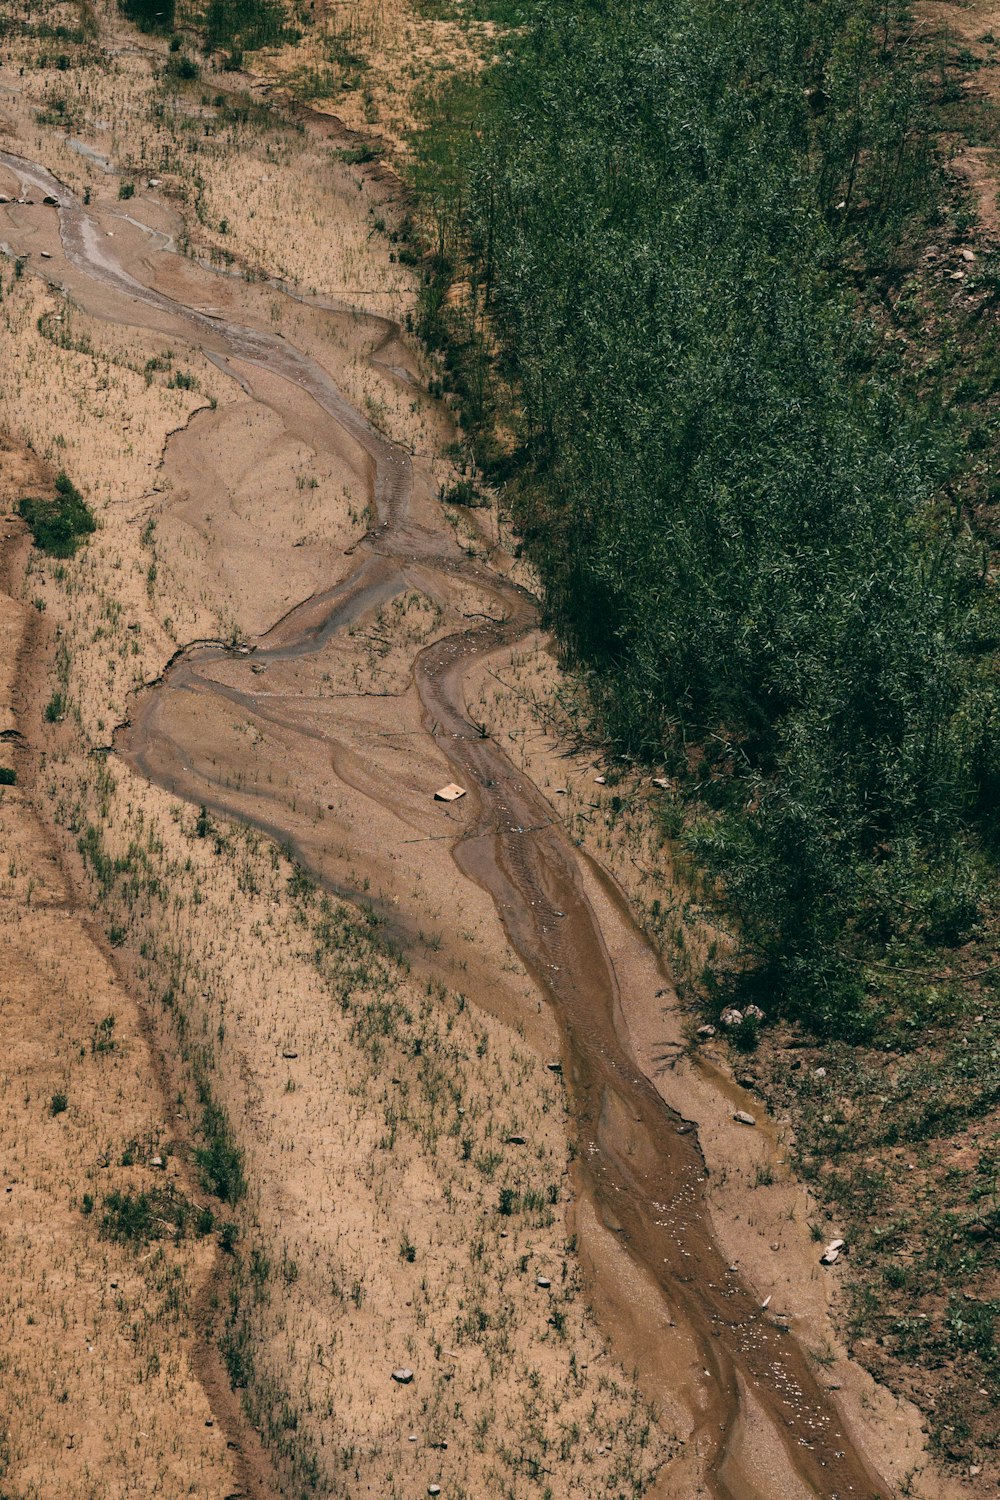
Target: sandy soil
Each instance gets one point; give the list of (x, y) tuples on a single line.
[(431, 1138)]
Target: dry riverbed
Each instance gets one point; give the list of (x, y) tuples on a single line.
[(316, 1014)]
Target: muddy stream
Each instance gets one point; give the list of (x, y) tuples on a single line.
[(638, 1165)]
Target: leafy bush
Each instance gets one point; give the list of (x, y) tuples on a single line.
[(59, 524)]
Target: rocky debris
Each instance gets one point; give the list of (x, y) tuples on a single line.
[(158, 1162), (742, 1118), (754, 1013), (819, 1073), (731, 1017), (402, 1376), (706, 1031), (258, 667), (662, 783), (543, 1281), (449, 793), (600, 780), (831, 1254)]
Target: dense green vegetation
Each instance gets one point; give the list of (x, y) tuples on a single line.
[(734, 506), (242, 25), (59, 524), (149, 15)]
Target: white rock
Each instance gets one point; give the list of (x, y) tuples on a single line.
[(402, 1376), (543, 1282), (731, 1016), (742, 1118), (754, 1013), (706, 1030), (819, 1072), (829, 1257), (449, 793)]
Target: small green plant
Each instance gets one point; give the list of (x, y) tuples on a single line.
[(8, 776), (58, 1104)]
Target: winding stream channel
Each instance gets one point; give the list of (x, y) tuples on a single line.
[(638, 1166)]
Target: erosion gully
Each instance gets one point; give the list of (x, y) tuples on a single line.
[(638, 1163)]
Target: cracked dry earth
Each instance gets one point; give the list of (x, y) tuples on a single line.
[(335, 624)]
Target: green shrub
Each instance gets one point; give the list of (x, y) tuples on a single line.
[(149, 15), (58, 525)]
